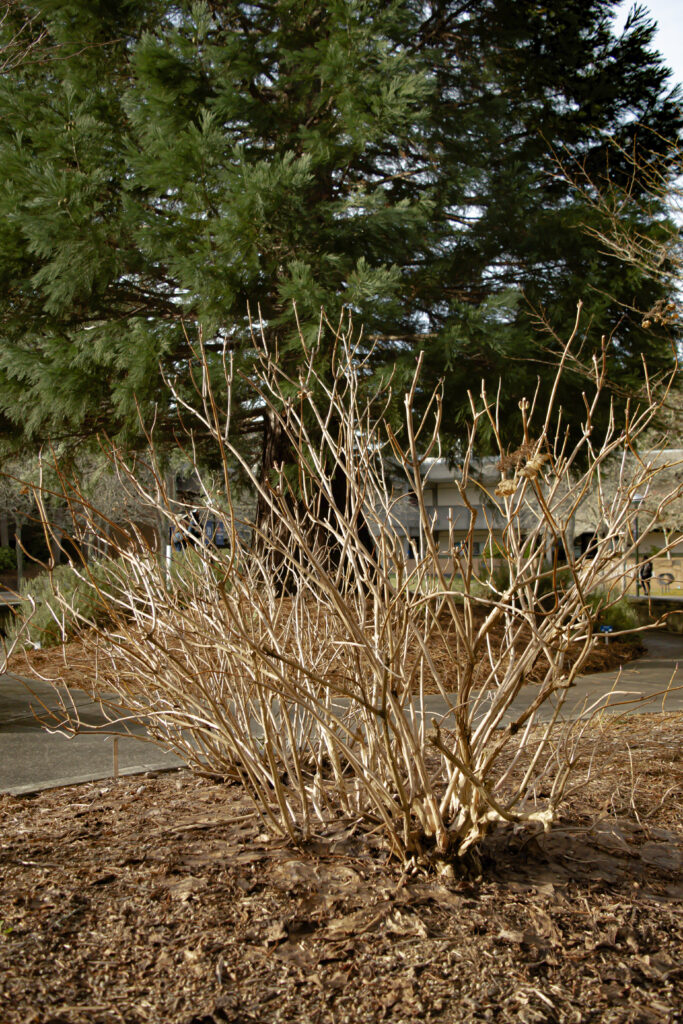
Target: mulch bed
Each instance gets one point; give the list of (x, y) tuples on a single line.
[(73, 662), (158, 899)]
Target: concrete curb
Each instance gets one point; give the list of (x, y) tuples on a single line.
[(146, 769)]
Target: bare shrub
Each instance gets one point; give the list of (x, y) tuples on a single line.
[(299, 661)]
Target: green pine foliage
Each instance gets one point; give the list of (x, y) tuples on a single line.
[(166, 166)]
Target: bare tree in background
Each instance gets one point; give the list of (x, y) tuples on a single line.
[(645, 189), (22, 41)]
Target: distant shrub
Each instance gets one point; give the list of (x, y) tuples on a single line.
[(500, 577), (41, 617), (191, 563), (550, 583), (620, 616), (8, 560), (493, 549)]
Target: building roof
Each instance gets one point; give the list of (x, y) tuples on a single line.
[(442, 471), (666, 462)]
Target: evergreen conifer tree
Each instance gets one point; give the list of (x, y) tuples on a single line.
[(169, 165)]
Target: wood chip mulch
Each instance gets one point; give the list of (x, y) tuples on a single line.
[(158, 899), (73, 662)]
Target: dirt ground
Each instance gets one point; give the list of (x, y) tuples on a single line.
[(159, 899)]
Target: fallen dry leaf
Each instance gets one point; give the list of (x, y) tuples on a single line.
[(213, 925)]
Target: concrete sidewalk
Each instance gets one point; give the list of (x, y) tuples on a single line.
[(652, 683), (32, 758)]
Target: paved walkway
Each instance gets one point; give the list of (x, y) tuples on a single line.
[(652, 683), (32, 758)]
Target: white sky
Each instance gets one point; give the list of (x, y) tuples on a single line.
[(669, 40)]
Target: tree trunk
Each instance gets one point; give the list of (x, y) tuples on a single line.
[(273, 530), (570, 535), (18, 524), (275, 450), (4, 531), (55, 535), (163, 525)]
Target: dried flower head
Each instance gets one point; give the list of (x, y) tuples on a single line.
[(505, 488), (663, 313), (534, 465)]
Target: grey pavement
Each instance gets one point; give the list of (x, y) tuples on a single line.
[(32, 758), (650, 684)]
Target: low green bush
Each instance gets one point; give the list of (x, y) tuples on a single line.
[(47, 624), (553, 580), (500, 577), (620, 616), (191, 563), (8, 560)]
